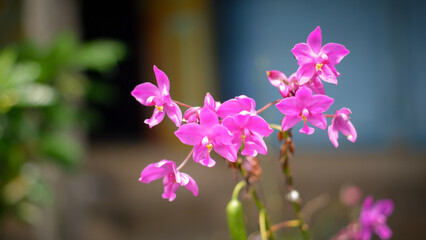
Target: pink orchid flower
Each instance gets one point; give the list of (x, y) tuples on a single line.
[(172, 178), (304, 106), (373, 218), (341, 123), (150, 95), (314, 60), (249, 129), (207, 136)]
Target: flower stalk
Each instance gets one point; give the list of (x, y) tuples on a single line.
[(287, 148)]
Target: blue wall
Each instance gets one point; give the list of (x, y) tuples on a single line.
[(382, 79)]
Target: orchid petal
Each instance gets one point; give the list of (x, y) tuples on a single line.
[(290, 121), (303, 53), (320, 103), (333, 135), (190, 133), (162, 81), (318, 120), (335, 52), (191, 185), (276, 77), (306, 129), (174, 113), (305, 73), (170, 191), (259, 125), (328, 74), (226, 151), (383, 231), (156, 171), (144, 91), (208, 118), (288, 106), (156, 118), (314, 40)]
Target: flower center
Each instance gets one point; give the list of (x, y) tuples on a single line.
[(304, 113), (159, 108), (318, 66), (209, 147)]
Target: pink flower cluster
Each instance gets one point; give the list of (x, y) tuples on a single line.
[(303, 92), (234, 127)]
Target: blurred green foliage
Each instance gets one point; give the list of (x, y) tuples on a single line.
[(43, 116)]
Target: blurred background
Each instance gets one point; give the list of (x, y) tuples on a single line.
[(73, 141)]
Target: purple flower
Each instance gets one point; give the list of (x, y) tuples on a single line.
[(314, 60), (341, 123), (150, 95), (307, 107), (373, 218), (172, 178), (250, 129), (207, 136)]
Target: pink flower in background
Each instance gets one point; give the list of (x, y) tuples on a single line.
[(373, 218), (314, 60), (250, 129), (307, 107), (207, 136), (341, 124), (150, 95), (172, 178)]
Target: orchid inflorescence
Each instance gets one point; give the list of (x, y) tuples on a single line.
[(234, 128)]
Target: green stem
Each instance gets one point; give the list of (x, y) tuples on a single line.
[(238, 188), (286, 150), (265, 228)]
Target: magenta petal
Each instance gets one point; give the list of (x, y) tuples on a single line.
[(315, 40), (191, 185), (304, 97), (156, 118), (207, 161), (290, 121), (199, 153), (162, 81), (305, 73), (144, 91), (156, 171), (288, 106), (174, 113), (253, 145), (333, 135), (335, 52), (208, 118), (259, 125), (383, 231), (303, 53), (306, 129), (210, 102), (384, 206), (328, 75), (170, 191), (231, 124), (318, 120), (320, 103), (190, 133), (276, 77), (226, 151)]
